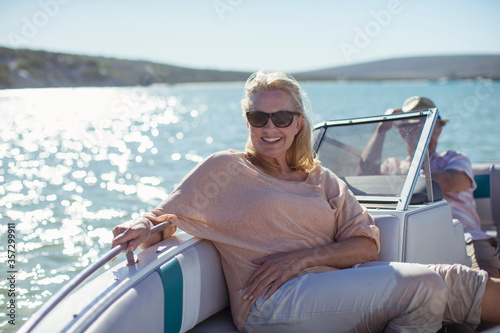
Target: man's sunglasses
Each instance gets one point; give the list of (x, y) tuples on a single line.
[(279, 119)]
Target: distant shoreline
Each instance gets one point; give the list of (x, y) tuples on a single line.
[(242, 82), (40, 69)]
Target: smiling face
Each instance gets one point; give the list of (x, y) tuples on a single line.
[(270, 142)]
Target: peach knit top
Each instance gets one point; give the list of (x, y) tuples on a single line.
[(249, 214)]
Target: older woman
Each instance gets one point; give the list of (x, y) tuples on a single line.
[(290, 233)]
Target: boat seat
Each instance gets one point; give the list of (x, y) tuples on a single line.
[(487, 196), (199, 298), (222, 321)]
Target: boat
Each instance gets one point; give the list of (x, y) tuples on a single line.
[(178, 284)]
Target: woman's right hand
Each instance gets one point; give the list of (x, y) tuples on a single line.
[(133, 232)]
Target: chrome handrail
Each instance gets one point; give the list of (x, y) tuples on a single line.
[(83, 275)]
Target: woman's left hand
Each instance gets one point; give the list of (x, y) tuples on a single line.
[(275, 270)]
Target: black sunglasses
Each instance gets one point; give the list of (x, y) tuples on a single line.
[(279, 119)]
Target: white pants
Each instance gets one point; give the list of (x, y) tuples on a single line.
[(373, 297)]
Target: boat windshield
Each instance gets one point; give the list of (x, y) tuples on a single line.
[(380, 158)]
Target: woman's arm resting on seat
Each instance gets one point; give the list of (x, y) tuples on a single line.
[(278, 268)]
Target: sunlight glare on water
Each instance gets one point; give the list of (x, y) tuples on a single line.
[(77, 161)]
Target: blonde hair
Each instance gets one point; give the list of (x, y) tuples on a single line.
[(300, 155)]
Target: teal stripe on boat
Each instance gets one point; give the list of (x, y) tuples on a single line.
[(483, 186), (171, 277)]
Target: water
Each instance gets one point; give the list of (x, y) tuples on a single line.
[(77, 161)]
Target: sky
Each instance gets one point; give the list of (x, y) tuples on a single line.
[(248, 35)]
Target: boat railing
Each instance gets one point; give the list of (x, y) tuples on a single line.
[(84, 275)]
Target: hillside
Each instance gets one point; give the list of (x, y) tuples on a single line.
[(37, 69), (431, 68)]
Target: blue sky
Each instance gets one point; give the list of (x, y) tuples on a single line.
[(249, 35)]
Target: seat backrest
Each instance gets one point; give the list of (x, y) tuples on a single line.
[(194, 287), (487, 194)]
